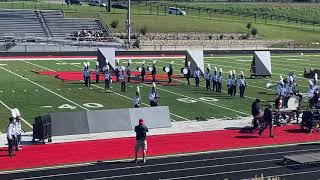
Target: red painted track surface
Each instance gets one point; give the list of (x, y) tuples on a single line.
[(120, 148)]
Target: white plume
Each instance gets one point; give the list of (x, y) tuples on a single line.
[(17, 112), (138, 89), (13, 113)]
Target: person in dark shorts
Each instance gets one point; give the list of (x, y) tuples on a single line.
[(267, 117), (141, 140)]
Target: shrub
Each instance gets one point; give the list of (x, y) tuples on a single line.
[(114, 24), (254, 31), (249, 25), (143, 30)]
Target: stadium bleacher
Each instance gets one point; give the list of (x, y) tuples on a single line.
[(20, 23), (31, 24)]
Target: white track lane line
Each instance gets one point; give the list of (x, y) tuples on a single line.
[(194, 168), (292, 174), (45, 88), (1, 102), (170, 163)]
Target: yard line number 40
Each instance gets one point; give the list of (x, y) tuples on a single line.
[(88, 105), (188, 100)]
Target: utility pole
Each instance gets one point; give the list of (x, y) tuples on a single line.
[(129, 22)]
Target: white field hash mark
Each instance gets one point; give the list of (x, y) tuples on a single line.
[(45, 89)]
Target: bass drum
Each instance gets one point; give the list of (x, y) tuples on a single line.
[(167, 69), (185, 71), (149, 68), (293, 102), (139, 69)]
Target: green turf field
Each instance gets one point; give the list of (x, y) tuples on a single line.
[(34, 94)]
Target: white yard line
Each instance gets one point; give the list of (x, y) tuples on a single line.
[(6, 106), (212, 104), (129, 97), (39, 66), (205, 86), (284, 75), (45, 88)]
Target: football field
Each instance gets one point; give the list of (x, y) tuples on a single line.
[(41, 86)]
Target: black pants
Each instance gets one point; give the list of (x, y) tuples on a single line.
[(219, 87), (86, 81), (129, 76), (136, 106), (153, 103), (117, 75), (123, 86), (97, 78), (266, 125), (230, 90), (197, 79), (89, 81), (169, 78), (11, 145), (234, 89), (106, 84), (214, 84), (188, 80), (17, 142), (153, 77), (242, 88), (208, 84), (142, 78)]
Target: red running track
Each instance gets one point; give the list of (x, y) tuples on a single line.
[(121, 148)]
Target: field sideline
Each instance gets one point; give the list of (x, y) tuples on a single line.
[(34, 94)]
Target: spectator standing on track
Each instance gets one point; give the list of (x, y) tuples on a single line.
[(141, 140), (11, 136), (18, 130), (256, 112), (267, 118)]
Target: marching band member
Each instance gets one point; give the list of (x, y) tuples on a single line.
[(97, 72), (196, 75), (89, 74), (107, 78), (219, 80), (153, 96), (242, 84), (214, 79), (143, 72), (11, 129), (86, 74), (154, 71), (170, 72), (310, 94), (234, 83), (281, 90), (207, 77), (128, 70), (229, 84), (18, 130), (137, 99), (84, 71), (188, 75), (122, 78), (117, 69)]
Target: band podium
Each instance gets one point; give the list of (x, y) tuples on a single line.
[(111, 120)]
